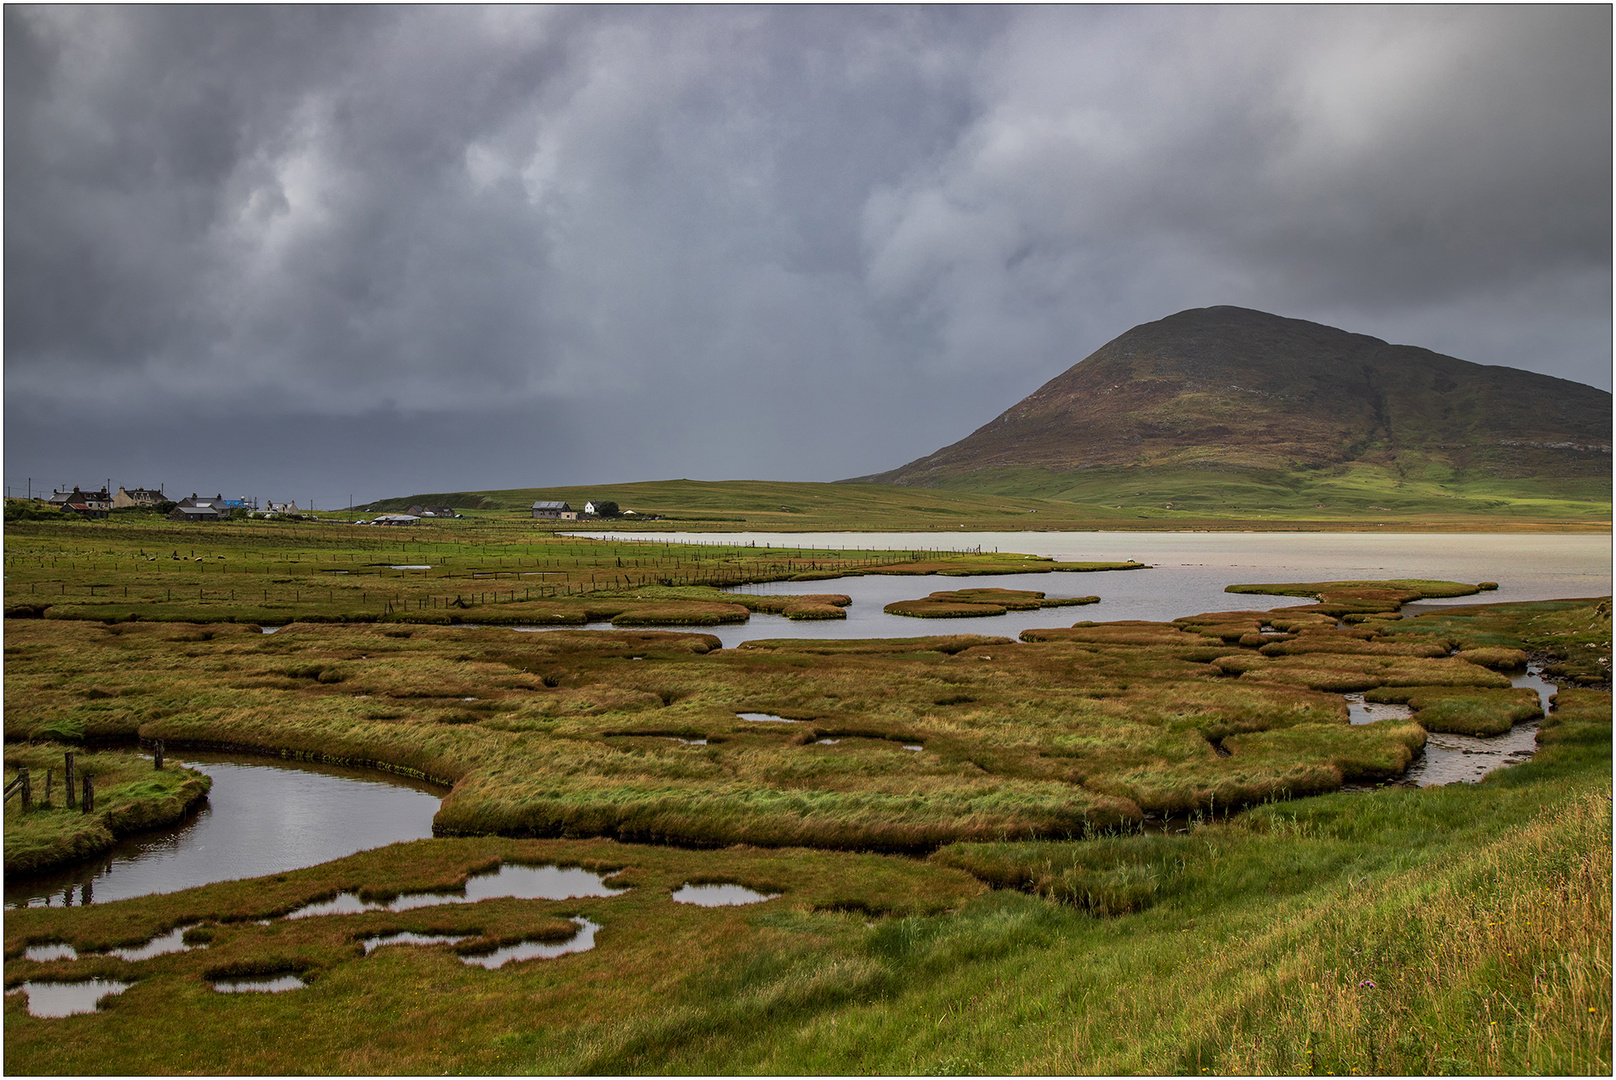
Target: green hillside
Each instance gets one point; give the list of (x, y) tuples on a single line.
[(1344, 498), (1229, 411)]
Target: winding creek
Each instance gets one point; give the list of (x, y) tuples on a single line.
[(263, 816), (268, 816)]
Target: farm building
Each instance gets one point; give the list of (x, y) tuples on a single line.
[(181, 512), (554, 511)]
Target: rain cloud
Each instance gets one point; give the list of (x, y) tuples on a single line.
[(385, 250)]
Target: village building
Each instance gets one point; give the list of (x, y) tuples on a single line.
[(395, 519), (182, 512), (137, 497), (433, 511), (91, 504), (282, 507), (554, 511)]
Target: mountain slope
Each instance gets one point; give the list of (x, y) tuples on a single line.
[(1230, 389)]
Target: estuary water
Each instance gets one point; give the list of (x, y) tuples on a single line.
[(1187, 573)]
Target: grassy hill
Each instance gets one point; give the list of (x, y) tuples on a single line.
[(1343, 498), (1224, 410)]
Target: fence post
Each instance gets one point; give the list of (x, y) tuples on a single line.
[(27, 789), (67, 780), (89, 792), (157, 758), (48, 773)]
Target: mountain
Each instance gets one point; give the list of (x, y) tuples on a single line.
[(1234, 391)]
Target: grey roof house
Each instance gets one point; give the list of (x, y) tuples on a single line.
[(554, 511)]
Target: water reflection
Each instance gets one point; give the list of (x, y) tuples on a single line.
[(719, 895), (55, 999), (510, 880), (261, 817), (582, 941), (276, 985)]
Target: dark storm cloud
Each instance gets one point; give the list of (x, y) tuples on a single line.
[(783, 242)]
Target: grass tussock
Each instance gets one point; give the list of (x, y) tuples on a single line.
[(1463, 711), (974, 603)]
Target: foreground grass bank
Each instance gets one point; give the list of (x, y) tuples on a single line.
[(1072, 894), (1456, 930)]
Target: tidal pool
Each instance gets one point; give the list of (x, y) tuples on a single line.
[(277, 985), (765, 718), (510, 880), (1360, 711), (1464, 759), (263, 816), (582, 941), (56, 999), (719, 895)]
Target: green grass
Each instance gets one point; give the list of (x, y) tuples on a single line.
[(130, 796), (1351, 497), (1460, 930), (501, 570), (1359, 497), (1164, 899)]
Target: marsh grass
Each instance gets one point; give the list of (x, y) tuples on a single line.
[(1088, 773), (974, 603), (1463, 711), (130, 795)]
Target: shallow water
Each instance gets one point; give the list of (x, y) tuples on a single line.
[(1464, 759), (57, 951), (407, 937), (765, 718), (1187, 576), (259, 985), (510, 880), (263, 816), (55, 999), (161, 945), (582, 941), (719, 895), (1362, 712)]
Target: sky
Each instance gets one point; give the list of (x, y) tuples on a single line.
[(339, 253)]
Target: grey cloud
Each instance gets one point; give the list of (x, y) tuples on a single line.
[(791, 242)]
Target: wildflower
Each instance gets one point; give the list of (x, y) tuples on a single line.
[(1367, 984)]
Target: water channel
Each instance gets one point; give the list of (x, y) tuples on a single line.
[(261, 817), (265, 816)]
